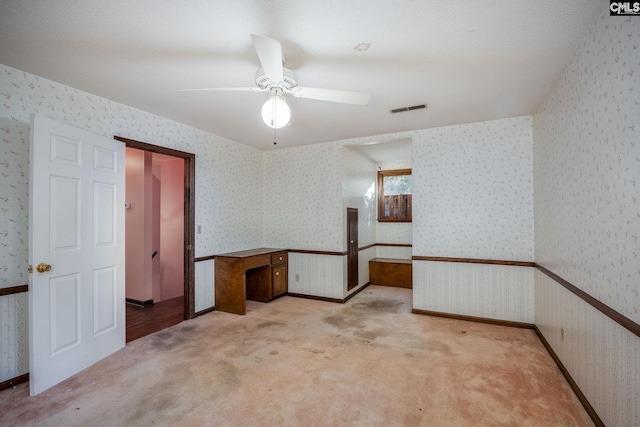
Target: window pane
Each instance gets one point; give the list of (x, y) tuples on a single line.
[(399, 184), (394, 195)]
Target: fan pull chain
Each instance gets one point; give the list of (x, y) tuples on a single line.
[(274, 121)]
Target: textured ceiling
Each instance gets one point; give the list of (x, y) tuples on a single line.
[(468, 61)]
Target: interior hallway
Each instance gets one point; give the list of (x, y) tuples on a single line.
[(303, 362)]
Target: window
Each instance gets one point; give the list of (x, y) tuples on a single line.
[(394, 195)]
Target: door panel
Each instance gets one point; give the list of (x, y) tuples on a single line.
[(76, 231), (65, 151), (352, 248), (104, 300), (65, 213), (64, 309), (104, 214)]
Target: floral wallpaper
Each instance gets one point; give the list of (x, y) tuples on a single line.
[(587, 168), (230, 220), (473, 191), (14, 202), (473, 187), (302, 206)]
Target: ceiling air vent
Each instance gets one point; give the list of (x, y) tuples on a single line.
[(403, 109)]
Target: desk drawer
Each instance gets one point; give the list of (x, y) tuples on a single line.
[(256, 261), (279, 258)]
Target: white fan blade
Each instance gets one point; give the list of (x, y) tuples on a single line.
[(270, 55), (224, 89), (344, 96)]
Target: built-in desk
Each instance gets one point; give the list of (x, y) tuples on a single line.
[(254, 274), (391, 272)]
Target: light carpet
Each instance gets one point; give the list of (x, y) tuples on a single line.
[(300, 362)]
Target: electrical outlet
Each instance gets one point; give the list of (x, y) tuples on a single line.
[(562, 334), (297, 277)]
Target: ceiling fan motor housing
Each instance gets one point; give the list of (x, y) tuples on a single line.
[(290, 80)]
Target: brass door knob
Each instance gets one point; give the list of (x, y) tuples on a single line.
[(43, 268)]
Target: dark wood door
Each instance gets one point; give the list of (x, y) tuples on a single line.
[(352, 248)]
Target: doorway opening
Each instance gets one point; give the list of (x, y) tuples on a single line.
[(159, 237)]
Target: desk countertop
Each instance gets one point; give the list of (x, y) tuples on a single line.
[(251, 252)]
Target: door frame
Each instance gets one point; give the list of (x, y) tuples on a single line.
[(189, 215)]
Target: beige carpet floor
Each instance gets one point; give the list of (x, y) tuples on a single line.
[(299, 362)]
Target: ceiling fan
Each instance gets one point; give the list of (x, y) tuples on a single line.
[(274, 78)]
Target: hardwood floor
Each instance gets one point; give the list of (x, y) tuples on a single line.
[(142, 321)]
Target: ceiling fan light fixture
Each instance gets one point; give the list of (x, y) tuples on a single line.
[(276, 112)]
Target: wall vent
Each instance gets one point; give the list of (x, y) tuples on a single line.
[(403, 109)]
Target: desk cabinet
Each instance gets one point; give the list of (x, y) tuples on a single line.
[(279, 274)]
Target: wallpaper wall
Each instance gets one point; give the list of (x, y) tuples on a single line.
[(14, 200), (307, 192), (473, 198), (473, 188), (587, 215), (473, 191), (587, 168), (229, 219), (602, 357), (302, 206)]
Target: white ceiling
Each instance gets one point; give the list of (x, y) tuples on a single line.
[(468, 61), (397, 149)]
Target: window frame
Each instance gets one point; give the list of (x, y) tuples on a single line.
[(380, 194)]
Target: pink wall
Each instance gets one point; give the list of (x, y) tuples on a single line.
[(155, 222), (172, 228), (138, 226)]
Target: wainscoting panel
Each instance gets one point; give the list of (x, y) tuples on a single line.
[(602, 357), (14, 342), (363, 265), (501, 292), (204, 286), (317, 275), (399, 252)]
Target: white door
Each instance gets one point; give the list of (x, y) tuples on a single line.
[(76, 226)]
